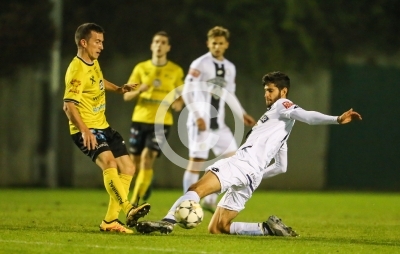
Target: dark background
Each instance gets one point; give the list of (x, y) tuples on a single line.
[(356, 40)]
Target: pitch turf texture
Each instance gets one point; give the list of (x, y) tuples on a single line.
[(66, 221)]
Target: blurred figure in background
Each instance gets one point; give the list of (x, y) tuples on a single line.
[(160, 86), (218, 74)]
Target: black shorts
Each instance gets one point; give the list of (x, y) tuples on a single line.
[(107, 140), (143, 135)]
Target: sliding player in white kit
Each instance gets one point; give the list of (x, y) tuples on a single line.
[(207, 123), (239, 176)]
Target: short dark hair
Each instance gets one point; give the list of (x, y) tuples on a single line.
[(84, 31), (163, 33), (279, 79)]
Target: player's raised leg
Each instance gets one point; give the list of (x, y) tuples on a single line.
[(192, 172), (226, 147), (191, 176)]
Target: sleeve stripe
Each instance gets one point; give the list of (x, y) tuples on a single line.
[(71, 100)]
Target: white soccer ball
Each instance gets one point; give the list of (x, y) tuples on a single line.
[(189, 214)]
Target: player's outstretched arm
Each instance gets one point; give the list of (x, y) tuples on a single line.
[(348, 116), (128, 96), (119, 89), (127, 88)]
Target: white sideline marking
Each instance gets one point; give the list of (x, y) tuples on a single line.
[(106, 247)]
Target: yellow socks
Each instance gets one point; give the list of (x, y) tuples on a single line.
[(113, 205), (142, 183), (116, 189), (126, 182)]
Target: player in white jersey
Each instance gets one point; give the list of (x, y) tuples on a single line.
[(239, 176), (208, 120)]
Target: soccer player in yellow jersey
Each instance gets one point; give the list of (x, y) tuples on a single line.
[(158, 79), (84, 105)]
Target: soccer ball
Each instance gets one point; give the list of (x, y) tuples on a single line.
[(189, 214)]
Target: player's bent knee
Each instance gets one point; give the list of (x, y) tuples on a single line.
[(128, 170), (195, 187), (212, 229), (198, 189), (107, 162)]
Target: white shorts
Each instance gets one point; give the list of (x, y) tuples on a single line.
[(221, 141), (238, 180)]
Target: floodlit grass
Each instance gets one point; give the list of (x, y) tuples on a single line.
[(66, 221)]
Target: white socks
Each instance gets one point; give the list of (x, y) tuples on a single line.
[(190, 195), (189, 178), (244, 228)]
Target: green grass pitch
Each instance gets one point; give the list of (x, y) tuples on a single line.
[(66, 221)]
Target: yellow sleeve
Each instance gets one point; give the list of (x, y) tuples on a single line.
[(73, 86)]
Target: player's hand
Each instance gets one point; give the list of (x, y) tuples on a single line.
[(177, 105), (89, 140), (132, 94), (143, 88), (201, 124), (248, 120), (348, 116), (128, 87)]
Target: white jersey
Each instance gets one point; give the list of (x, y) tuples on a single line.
[(207, 100), (272, 130)]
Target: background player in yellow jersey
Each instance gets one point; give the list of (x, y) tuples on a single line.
[(84, 105), (157, 78)]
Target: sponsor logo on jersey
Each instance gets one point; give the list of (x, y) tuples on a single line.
[(75, 82), (217, 81), (216, 92), (99, 108), (74, 86), (287, 104), (195, 73), (215, 169), (264, 118), (157, 82), (99, 96)]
